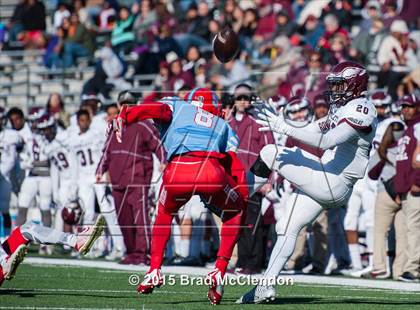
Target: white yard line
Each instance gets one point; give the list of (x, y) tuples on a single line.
[(202, 271)]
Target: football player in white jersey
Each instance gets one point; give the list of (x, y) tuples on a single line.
[(86, 145), (324, 182), (364, 191), (9, 140), (62, 162), (36, 186)]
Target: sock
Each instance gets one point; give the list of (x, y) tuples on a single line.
[(282, 250), (356, 260), (229, 234), (46, 235), (221, 264), (14, 241), (160, 236), (184, 247)]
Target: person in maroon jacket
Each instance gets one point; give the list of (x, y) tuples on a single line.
[(251, 245), (130, 166), (407, 186)]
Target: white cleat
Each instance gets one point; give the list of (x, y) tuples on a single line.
[(115, 254), (87, 237), (11, 263), (258, 295), (361, 273)]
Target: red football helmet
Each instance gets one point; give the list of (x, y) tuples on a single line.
[(380, 97), (72, 213), (205, 99), (347, 81)]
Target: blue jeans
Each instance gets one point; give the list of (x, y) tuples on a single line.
[(72, 51)]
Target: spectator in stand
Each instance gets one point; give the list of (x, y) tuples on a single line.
[(284, 25), (61, 13), (33, 21), (191, 57), (15, 25), (130, 168), (53, 54), (312, 76), (312, 31), (297, 8), (109, 74), (231, 74), (366, 44), (107, 16), (372, 11), (79, 42), (407, 185), (55, 107), (390, 13), (81, 10), (146, 20), (391, 57), (338, 51), (332, 27), (166, 43), (341, 9), (266, 23), (248, 27), (178, 78), (122, 37)]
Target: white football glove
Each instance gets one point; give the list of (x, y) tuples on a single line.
[(269, 121)]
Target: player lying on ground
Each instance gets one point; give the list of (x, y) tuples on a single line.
[(199, 146), (14, 248), (325, 182)]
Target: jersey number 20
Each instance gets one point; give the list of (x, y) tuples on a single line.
[(361, 109), (203, 118)]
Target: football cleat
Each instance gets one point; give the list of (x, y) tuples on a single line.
[(378, 274), (215, 280), (151, 280), (87, 237), (12, 262), (258, 295)]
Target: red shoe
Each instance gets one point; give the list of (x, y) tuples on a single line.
[(11, 263), (87, 237), (215, 293), (151, 280)]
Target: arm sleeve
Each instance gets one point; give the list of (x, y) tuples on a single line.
[(103, 164), (148, 110), (312, 136)]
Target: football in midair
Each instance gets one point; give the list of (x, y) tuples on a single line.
[(226, 45)]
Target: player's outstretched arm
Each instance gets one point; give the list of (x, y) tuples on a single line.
[(336, 136), (147, 110)]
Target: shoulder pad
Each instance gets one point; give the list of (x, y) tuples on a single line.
[(359, 113)]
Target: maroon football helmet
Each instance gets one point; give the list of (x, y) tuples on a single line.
[(72, 213), (380, 97), (298, 112), (348, 80)]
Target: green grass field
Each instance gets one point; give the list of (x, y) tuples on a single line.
[(49, 287)]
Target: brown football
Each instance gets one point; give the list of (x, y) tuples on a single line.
[(226, 45)]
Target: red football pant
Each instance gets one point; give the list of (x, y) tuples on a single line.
[(184, 177)]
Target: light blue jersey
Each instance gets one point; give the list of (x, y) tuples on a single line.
[(194, 129)]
